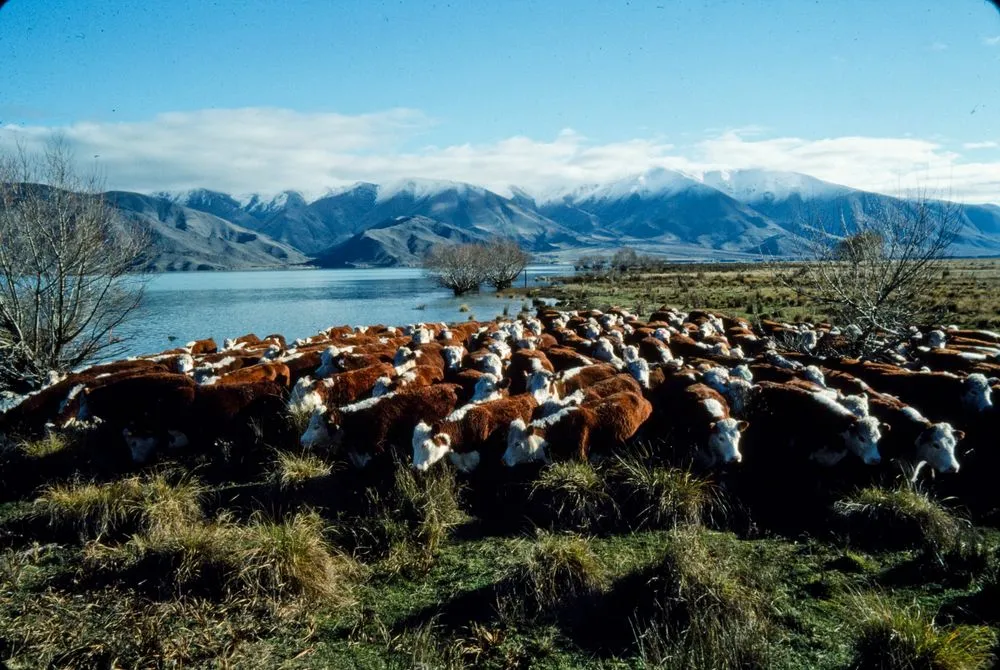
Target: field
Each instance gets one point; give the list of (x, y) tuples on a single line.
[(256, 554), (626, 565), (966, 291)]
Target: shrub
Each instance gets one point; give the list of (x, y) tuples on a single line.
[(125, 505), (572, 494), (558, 568), (888, 636), (899, 518), (295, 469), (705, 615), (661, 497)]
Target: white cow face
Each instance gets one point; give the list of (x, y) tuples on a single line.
[(724, 440), (142, 447), (422, 336), (856, 404), (862, 440), (453, 357), (541, 385), (741, 371), (717, 379), (936, 339), (662, 334), (428, 447), (185, 363), (523, 445), (978, 395), (639, 369), (317, 433), (936, 446), (487, 388), (491, 364)]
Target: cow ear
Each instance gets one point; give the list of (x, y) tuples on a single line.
[(959, 434), (742, 425), (712, 425), (886, 428)]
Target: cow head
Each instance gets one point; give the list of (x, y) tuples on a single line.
[(491, 364), (488, 387), (383, 386), (422, 336), (540, 384), (403, 356), (741, 371), (862, 439), (724, 440), (429, 446), (936, 339), (141, 446), (977, 394), (317, 433), (185, 363), (662, 334), (524, 445), (936, 446), (453, 355), (717, 379)]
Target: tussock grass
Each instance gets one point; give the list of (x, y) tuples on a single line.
[(558, 568), (660, 497), (294, 469), (573, 495), (899, 518), (298, 418), (129, 504), (464, 308), (705, 613), (264, 559), (404, 527), (44, 447), (892, 637)]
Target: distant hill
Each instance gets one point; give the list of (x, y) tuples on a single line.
[(717, 215)]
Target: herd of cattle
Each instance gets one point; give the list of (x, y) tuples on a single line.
[(712, 390)]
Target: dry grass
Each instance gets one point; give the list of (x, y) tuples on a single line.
[(660, 497), (53, 443), (573, 495), (706, 615), (292, 469), (901, 517), (891, 637), (126, 505), (558, 568), (264, 559)]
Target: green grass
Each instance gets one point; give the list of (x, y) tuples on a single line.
[(558, 568), (890, 636), (656, 496)]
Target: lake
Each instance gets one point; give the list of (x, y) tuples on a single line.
[(180, 307)]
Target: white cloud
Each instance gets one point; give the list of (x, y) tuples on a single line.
[(989, 144), (991, 41), (268, 150)]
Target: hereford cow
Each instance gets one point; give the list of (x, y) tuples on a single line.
[(468, 431), (576, 430)]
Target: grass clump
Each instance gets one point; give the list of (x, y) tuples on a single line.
[(44, 447), (661, 497), (893, 637), (558, 568), (899, 518), (291, 469), (571, 494), (705, 614), (129, 504), (264, 559)]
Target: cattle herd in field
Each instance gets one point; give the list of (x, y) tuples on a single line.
[(709, 391)]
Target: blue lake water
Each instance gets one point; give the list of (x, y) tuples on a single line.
[(180, 307)]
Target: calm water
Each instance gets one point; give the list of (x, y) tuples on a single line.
[(297, 303)]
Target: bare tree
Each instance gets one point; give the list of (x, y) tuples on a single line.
[(872, 274), (65, 264), (505, 260), (460, 267)]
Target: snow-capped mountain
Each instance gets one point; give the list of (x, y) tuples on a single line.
[(719, 214)]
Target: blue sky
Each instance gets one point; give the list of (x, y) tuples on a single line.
[(312, 94)]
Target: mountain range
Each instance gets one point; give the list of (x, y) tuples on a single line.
[(717, 215)]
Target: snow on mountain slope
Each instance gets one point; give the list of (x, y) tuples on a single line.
[(752, 186)]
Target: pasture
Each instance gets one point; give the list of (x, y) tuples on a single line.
[(967, 291), (262, 508)]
